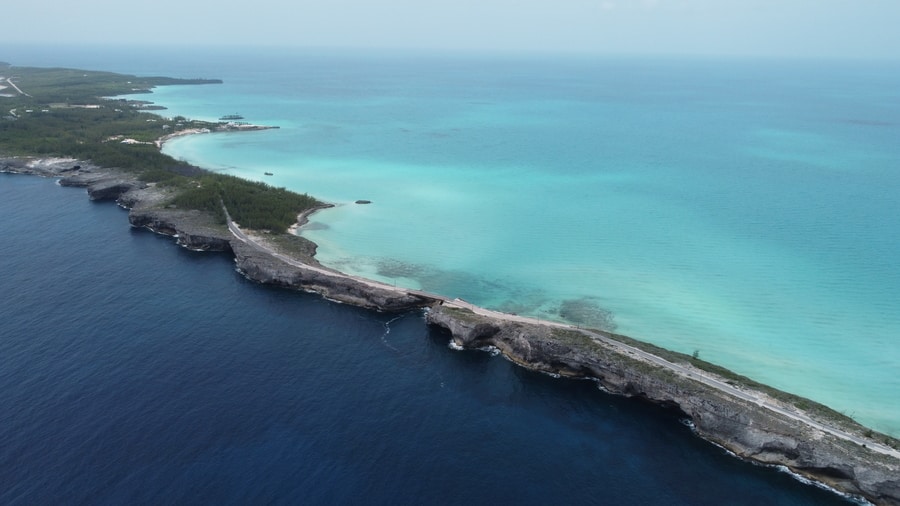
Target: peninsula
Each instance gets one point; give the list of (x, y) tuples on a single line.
[(206, 211)]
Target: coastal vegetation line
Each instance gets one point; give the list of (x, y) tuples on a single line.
[(59, 112), (63, 112)]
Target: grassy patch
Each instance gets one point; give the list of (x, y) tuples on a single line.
[(577, 339)]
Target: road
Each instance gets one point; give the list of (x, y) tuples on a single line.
[(754, 397), (682, 370), (9, 82), (243, 237)]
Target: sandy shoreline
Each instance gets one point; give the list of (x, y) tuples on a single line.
[(303, 218), (181, 133), (223, 127)]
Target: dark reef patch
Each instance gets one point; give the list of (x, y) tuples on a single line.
[(586, 311)]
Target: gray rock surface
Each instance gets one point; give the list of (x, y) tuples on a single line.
[(264, 268), (751, 432)]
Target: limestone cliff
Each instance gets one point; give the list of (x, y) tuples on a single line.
[(265, 268), (192, 229), (197, 231), (748, 430)]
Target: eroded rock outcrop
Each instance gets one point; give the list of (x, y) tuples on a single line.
[(750, 431), (264, 268), (112, 190), (192, 229)]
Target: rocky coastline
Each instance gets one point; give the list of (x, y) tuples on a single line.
[(739, 425), (742, 427), (199, 231)]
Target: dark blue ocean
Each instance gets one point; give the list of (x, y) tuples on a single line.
[(133, 371)]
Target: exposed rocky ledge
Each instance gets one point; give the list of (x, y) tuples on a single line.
[(199, 231), (192, 229), (751, 432), (265, 268), (742, 427)]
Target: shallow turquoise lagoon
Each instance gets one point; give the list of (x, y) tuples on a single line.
[(743, 209)]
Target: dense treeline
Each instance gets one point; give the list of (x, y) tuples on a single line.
[(51, 121), (86, 135), (252, 204), (81, 87), (36, 128)]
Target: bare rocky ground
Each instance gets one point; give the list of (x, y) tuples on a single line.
[(743, 427)]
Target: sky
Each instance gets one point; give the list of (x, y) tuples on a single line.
[(790, 28)]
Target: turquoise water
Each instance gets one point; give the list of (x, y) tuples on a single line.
[(744, 209)]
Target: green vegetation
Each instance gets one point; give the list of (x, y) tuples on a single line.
[(466, 315), (253, 205), (81, 87), (62, 113), (578, 339), (294, 246)]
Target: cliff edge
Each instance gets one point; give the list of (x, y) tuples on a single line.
[(744, 427)]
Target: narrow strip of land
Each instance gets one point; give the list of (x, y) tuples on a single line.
[(754, 397), (682, 370)]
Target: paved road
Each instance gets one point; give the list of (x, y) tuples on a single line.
[(689, 372)]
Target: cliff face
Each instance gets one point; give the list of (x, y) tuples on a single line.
[(748, 430), (102, 185), (199, 231), (192, 229), (264, 268), (195, 230)]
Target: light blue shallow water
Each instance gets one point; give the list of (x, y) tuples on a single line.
[(745, 209)]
